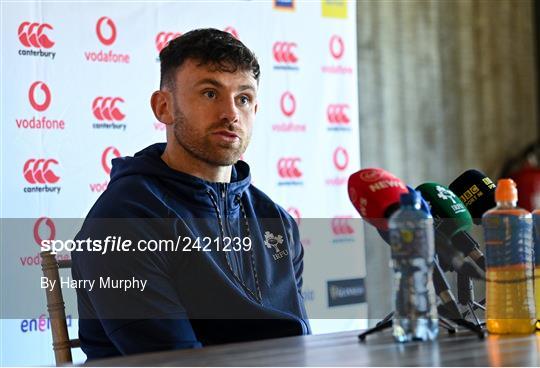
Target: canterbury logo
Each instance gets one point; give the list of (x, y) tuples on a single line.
[(337, 47), (163, 39), (33, 35), (38, 226), (105, 162), (107, 41), (32, 96), (288, 104), (287, 168), (341, 226), (39, 171), (232, 31), (341, 158), (104, 108), (337, 114), (284, 52)]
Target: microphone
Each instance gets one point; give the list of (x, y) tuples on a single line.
[(453, 219), (476, 191), (375, 194)]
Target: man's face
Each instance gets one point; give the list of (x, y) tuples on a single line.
[(214, 112)]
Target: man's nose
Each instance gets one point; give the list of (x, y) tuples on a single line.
[(229, 111)]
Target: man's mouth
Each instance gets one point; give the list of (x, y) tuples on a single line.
[(227, 135)]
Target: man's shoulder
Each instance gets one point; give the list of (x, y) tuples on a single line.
[(132, 196), (264, 203)]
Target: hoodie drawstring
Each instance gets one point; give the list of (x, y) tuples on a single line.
[(238, 200)]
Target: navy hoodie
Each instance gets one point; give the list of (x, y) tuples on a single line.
[(196, 294)]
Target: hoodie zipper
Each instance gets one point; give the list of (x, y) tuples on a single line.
[(233, 257), (223, 191)]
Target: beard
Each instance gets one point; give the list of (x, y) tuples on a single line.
[(200, 145)]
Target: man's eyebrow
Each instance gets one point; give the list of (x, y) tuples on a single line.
[(218, 84), (211, 81), (244, 87)]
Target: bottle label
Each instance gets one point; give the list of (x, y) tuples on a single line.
[(412, 242), (536, 221), (508, 240)]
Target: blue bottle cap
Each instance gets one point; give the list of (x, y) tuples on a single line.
[(410, 199)]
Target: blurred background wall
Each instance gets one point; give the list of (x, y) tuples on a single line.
[(444, 85)]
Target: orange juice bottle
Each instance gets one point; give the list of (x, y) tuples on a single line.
[(536, 222), (509, 286)]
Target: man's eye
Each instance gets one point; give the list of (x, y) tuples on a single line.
[(244, 100), (210, 94)]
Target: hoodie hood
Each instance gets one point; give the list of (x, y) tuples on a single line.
[(148, 163)]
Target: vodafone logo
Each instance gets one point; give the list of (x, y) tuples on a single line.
[(232, 31), (44, 229), (337, 114), (341, 158), (39, 171), (284, 52), (371, 175), (287, 104), (106, 31), (108, 154), (34, 35), (104, 108), (163, 39), (39, 96), (337, 47), (288, 168), (342, 226), (106, 34)]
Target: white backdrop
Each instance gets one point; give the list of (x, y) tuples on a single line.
[(76, 82)]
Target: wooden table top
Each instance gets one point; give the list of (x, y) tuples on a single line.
[(344, 349)]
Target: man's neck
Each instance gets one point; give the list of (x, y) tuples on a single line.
[(180, 160)]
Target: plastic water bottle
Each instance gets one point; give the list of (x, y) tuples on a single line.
[(509, 270), (536, 222), (412, 242)]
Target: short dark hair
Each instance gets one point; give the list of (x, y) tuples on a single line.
[(208, 46)]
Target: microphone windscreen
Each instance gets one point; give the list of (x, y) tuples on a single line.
[(450, 213), (374, 193), (476, 191)]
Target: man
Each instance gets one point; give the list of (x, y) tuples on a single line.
[(237, 274)]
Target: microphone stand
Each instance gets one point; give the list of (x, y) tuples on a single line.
[(466, 298), (445, 319)]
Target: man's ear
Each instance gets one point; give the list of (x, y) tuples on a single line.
[(162, 106), (256, 107)]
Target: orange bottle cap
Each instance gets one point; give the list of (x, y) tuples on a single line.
[(506, 191)]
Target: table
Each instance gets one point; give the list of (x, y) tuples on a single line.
[(344, 349)]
